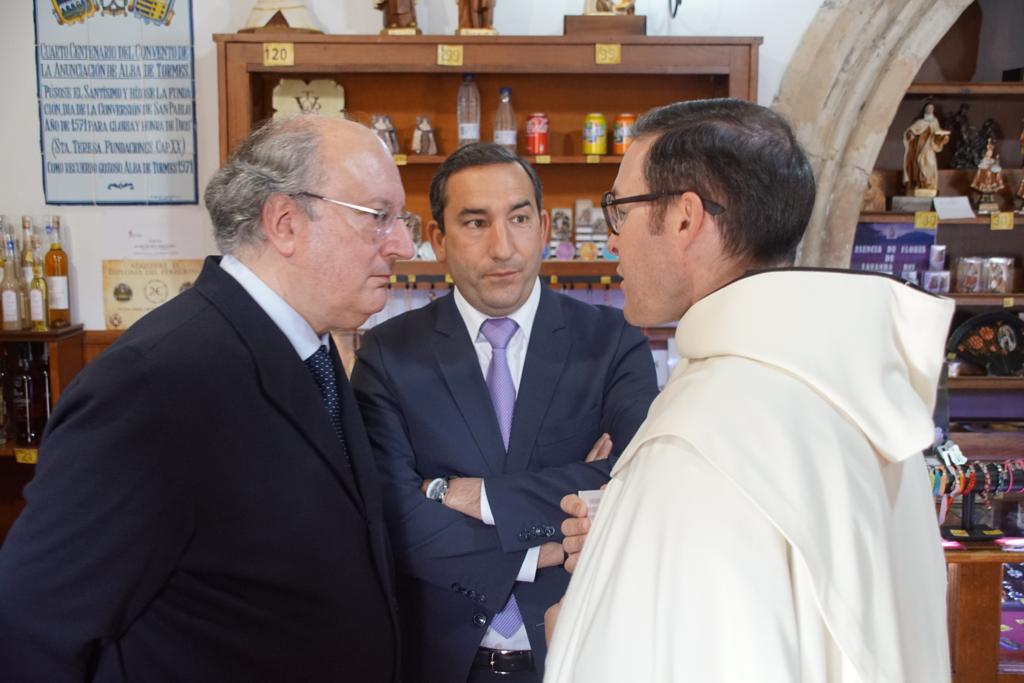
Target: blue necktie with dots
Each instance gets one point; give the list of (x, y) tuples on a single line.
[(322, 368)]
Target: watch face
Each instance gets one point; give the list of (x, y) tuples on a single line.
[(436, 489)]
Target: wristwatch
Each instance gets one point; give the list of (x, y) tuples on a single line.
[(438, 489)]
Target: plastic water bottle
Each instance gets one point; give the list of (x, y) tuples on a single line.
[(505, 122), (468, 111)]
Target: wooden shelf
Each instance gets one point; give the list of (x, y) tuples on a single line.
[(892, 217), (995, 445), (986, 383), (577, 160), (966, 88), (51, 335), (1011, 300), (559, 269)]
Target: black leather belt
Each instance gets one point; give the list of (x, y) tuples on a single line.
[(503, 661)]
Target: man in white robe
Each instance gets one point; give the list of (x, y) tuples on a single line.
[(772, 518)]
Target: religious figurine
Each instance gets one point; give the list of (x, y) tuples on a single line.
[(608, 7), (385, 130), (874, 197), (476, 16), (423, 141), (988, 180), (399, 16), (1020, 193), (964, 135), (921, 142)]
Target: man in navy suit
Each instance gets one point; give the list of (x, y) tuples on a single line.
[(484, 408), (206, 507)]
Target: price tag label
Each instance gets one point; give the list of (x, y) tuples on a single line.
[(542, 159), (1002, 220), (278, 54), (400, 159), (593, 158), (926, 220), (26, 456), (411, 279), (393, 279), (449, 55), (606, 279), (554, 279), (448, 279), (607, 53), (1008, 302)]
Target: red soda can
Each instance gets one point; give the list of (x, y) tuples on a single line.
[(537, 134)]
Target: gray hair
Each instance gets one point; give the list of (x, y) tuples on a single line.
[(279, 157)]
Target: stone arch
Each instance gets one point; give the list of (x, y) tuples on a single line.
[(841, 92)]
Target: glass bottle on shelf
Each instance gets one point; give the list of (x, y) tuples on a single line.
[(29, 411), (5, 395), (39, 312), (27, 257), (505, 122), (56, 269), (468, 111), (3, 252), (10, 291), (44, 379)]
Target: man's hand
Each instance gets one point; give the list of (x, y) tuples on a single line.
[(550, 618), (601, 450), (463, 495), (575, 529), (551, 555)]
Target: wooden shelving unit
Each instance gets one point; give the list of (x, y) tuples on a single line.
[(558, 75)]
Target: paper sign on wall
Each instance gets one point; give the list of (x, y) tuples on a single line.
[(116, 90)]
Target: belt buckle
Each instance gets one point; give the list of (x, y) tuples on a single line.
[(494, 661)]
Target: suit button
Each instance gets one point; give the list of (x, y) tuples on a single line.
[(455, 587), (471, 594), (523, 536), (480, 619), (549, 531), (481, 598)]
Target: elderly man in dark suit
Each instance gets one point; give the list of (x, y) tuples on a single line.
[(206, 507), (484, 409)]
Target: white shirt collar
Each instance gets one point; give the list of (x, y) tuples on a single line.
[(524, 315), (300, 333)]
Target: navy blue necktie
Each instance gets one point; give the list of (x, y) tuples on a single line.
[(322, 368)]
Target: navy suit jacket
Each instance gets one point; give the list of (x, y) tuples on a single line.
[(192, 517), (428, 413)]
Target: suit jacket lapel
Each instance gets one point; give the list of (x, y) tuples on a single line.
[(461, 371), (285, 379), (546, 356)]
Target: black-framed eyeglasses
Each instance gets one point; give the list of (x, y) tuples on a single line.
[(383, 222), (613, 217)]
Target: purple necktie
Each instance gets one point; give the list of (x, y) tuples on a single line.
[(498, 331)]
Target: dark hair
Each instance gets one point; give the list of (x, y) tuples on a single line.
[(476, 154), (742, 156)]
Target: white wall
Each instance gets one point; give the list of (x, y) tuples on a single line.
[(98, 233)]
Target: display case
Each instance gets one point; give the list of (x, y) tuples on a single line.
[(565, 77)]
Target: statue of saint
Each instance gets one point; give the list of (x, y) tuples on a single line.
[(988, 180), (476, 14), (397, 13), (423, 141), (609, 7), (921, 142)]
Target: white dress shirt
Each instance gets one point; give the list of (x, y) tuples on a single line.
[(300, 333), (516, 354)]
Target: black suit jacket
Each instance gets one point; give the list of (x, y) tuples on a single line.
[(428, 414), (193, 517)]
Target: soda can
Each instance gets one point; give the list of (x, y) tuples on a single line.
[(595, 134), (537, 134), (623, 134)]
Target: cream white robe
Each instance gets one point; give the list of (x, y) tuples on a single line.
[(772, 518)]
